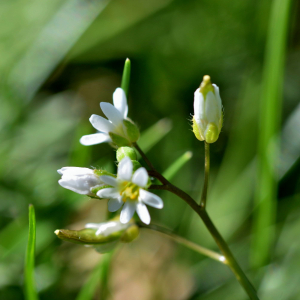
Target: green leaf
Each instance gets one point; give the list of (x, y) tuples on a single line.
[(177, 165), (30, 289), (99, 274), (151, 136), (126, 76), (268, 148)]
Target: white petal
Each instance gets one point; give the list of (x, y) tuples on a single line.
[(75, 171), (140, 177), (151, 199), (143, 213), (109, 180), (80, 186), (219, 101), (120, 102), (127, 211), (125, 169), (211, 108), (95, 138), (114, 204), (112, 113), (92, 225), (110, 193), (199, 112), (101, 124)]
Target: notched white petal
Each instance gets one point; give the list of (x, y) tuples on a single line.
[(109, 180), (101, 124), (125, 169), (112, 113), (140, 177), (120, 102), (114, 204), (95, 138), (151, 199), (127, 212), (110, 193), (143, 213)]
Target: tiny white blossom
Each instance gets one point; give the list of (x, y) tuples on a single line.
[(79, 180), (116, 114), (129, 189), (208, 118)]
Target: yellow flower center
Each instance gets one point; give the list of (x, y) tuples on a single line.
[(129, 191)]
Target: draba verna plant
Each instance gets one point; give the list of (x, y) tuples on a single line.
[(128, 191)]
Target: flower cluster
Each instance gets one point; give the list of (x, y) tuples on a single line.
[(129, 188)]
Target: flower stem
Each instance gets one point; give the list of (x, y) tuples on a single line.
[(180, 240), (145, 158), (200, 210), (206, 176)]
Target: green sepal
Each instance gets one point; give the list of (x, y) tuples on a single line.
[(103, 172), (136, 165), (118, 140), (212, 133), (132, 130), (126, 151), (130, 234), (87, 236), (96, 189), (197, 131)]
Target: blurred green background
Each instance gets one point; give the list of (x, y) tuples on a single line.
[(60, 59)]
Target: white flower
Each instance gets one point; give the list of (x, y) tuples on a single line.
[(116, 114), (129, 189), (208, 117), (107, 228), (79, 180)]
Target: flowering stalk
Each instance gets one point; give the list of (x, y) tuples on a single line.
[(200, 210), (180, 240), (206, 176)]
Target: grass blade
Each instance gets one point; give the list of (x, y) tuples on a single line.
[(263, 235), (126, 76), (177, 165), (30, 289), (154, 134)]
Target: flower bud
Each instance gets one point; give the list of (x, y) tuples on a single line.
[(80, 180), (103, 236), (208, 117), (126, 151)]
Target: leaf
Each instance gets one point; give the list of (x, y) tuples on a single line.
[(177, 165), (30, 289)]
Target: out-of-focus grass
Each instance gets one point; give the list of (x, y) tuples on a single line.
[(171, 44)]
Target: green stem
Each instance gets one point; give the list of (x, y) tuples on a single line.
[(180, 240), (231, 261), (206, 176)]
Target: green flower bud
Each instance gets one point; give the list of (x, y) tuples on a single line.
[(130, 234), (131, 130), (126, 151)]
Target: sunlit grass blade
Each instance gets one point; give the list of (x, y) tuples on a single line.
[(177, 165), (154, 134), (266, 190), (30, 289), (99, 276), (126, 76)]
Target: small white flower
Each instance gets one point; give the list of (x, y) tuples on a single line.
[(107, 228), (116, 114), (79, 180), (208, 118), (129, 189)]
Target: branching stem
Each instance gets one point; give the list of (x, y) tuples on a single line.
[(200, 210)]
